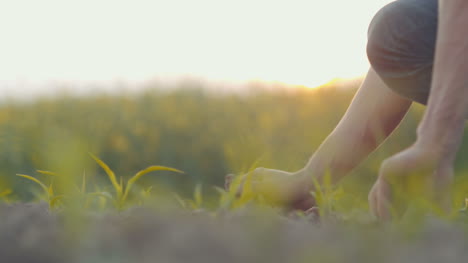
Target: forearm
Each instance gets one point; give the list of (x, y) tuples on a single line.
[(373, 114), (442, 126)]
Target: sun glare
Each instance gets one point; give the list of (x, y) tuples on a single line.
[(297, 42)]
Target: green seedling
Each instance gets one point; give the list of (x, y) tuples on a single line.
[(102, 197), (197, 201), (232, 199), (4, 195), (180, 200), (122, 189), (85, 197), (326, 195), (145, 195), (465, 209), (51, 198), (193, 204)]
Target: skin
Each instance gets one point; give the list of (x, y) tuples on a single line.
[(372, 116), (441, 129)]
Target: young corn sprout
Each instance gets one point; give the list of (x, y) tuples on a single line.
[(122, 189), (326, 195), (191, 204), (231, 198), (51, 198), (197, 201), (225, 198), (4, 195), (465, 209)]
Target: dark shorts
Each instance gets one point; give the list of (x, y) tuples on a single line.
[(401, 45)]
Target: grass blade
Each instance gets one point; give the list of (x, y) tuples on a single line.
[(45, 188), (54, 200), (47, 173), (138, 175), (197, 195), (220, 190), (102, 194), (6, 192), (110, 174), (50, 191), (83, 184), (179, 199)]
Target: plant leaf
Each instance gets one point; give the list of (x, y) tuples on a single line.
[(50, 191), (179, 199), (47, 172), (220, 190), (138, 175), (463, 209), (197, 195), (54, 200), (6, 192), (102, 194), (45, 188), (110, 174), (83, 184), (148, 190)]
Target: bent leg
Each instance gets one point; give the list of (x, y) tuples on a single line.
[(401, 46)]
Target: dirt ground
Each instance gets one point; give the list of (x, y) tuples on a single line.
[(29, 233)]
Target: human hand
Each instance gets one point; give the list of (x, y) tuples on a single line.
[(417, 172), (276, 187)]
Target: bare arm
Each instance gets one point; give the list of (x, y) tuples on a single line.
[(430, 159), (373, 114), (443, 123)]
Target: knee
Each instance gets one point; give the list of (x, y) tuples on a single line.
[(383, 37), (398, 42)]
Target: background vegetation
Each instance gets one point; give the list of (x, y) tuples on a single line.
[(201, 132), (65, 149)]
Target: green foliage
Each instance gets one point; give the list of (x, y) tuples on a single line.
[(205, 134), (4, 195), (208, 135), (465, 208), (122, 190), (327, 196), (48, 191)]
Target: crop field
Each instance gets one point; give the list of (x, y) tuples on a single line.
[(138, 177)]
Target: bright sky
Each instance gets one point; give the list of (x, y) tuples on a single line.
[(293, 41)]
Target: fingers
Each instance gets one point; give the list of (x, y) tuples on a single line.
[(253, 177), (227, 181), (380, 200), (305, 204), (240, 187), (405, 164), (275, 187), (372, 198), (375, 201), (313, 211), (383, 201), (392, 173), (313, 214), (441, 187)]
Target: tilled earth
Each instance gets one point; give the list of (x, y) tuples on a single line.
[(29, 233)]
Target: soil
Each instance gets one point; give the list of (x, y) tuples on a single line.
[(30, 233)]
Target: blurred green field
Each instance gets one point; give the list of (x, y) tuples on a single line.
[(203, 133)]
